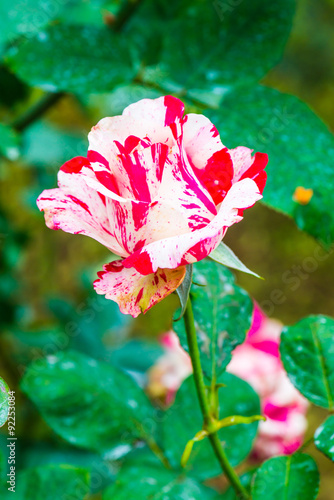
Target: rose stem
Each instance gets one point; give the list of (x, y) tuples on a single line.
[(203, 401)]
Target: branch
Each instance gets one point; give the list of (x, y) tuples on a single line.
[(36, 111)]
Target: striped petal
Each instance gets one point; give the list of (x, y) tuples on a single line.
[(163, 112), (76, 208), (200, 140), (133, 292), (172, 252), (156, 119), (247, 166)]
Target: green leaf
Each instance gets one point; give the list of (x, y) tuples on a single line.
[(293, 477), (299, 146), (184, 289), (224, 255), (308, 356), (4, 402), (48, 453), (24, 20), (122, 96), (89, 403), (324, 437), (156, 483), (136, 355), (84, 59), (9, 142), (46, 483), (184, 419), (223, 43), (222, 314), (110, 326), (47, 146)]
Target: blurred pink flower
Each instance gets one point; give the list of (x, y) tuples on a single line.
[(257, 361), (159, 190)]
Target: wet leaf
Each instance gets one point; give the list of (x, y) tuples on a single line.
[(293, 477), (84, 59), (156, 483), (89, 403), (45, 483), (223, 44), (324, 438), (307, 351)]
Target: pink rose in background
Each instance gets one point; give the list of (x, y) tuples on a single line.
[(257, 361), (159, 190)]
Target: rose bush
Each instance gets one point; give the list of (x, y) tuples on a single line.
[(256, 361), (159, 190)]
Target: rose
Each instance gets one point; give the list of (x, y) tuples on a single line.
[(157, 189), (258, 362)]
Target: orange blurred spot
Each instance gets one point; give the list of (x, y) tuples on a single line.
[(109, 18), (302, 195)]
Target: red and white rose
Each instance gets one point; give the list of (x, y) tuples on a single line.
[(159, 190)]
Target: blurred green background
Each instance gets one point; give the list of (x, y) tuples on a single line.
[(46, 277)]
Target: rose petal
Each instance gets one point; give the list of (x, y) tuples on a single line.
[(156, 119), (136, 224), (165, 111), (247, 166), (133, 292), (200, 140), (169, 253), (76, 208), (207, 155)]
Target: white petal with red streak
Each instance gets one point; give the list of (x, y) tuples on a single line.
[(200, 139), (169, 253), (150, 118), (165, 111), (180, 184), (133, 292), (138, 224), (242, 161), (76, 208)]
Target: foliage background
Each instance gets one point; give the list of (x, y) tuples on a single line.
[(46, 276)]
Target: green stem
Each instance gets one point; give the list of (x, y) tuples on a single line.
[(196, 362), (306, 444), (203, 401), (37, 110)]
